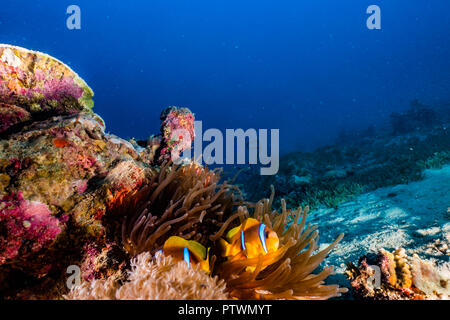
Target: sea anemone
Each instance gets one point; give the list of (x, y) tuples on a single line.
[(186, 200), (154, 277), (287, 272)]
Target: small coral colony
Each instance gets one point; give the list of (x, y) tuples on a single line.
[(130, 222)]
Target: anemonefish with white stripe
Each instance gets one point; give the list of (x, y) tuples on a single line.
[(192, 252), (249, 240)]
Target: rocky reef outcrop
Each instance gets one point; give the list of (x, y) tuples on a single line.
[(59, 173)]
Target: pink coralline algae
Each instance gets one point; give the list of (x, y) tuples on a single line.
[(58, 88), (177, 128), (25, 227)]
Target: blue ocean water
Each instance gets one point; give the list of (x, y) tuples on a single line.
[(308, 68)]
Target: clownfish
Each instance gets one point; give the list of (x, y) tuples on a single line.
[(249, 240), (187, 250)]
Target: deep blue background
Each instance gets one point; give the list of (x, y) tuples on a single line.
[(308, 68)]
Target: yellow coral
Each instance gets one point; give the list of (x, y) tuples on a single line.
[(398, 267), (403, 271), (392, 279)]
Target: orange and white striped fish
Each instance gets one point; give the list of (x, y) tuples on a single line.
[(192, 252), (249, 240)]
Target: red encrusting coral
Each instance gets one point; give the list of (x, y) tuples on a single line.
[(60, 143), (25, 227)]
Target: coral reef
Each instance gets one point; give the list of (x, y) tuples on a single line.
[(11, 115), (59, 173), (439, 247), (73, 195), (104, 261), (150, 278), (399, 278), (177, 135)]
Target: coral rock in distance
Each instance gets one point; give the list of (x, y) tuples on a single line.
[(177, 129)]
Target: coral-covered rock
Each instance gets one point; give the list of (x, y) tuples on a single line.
[(177, 129), (152, 145), (34, 85), (177, 135), (58, 178), (103, 261), (54, 161)]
